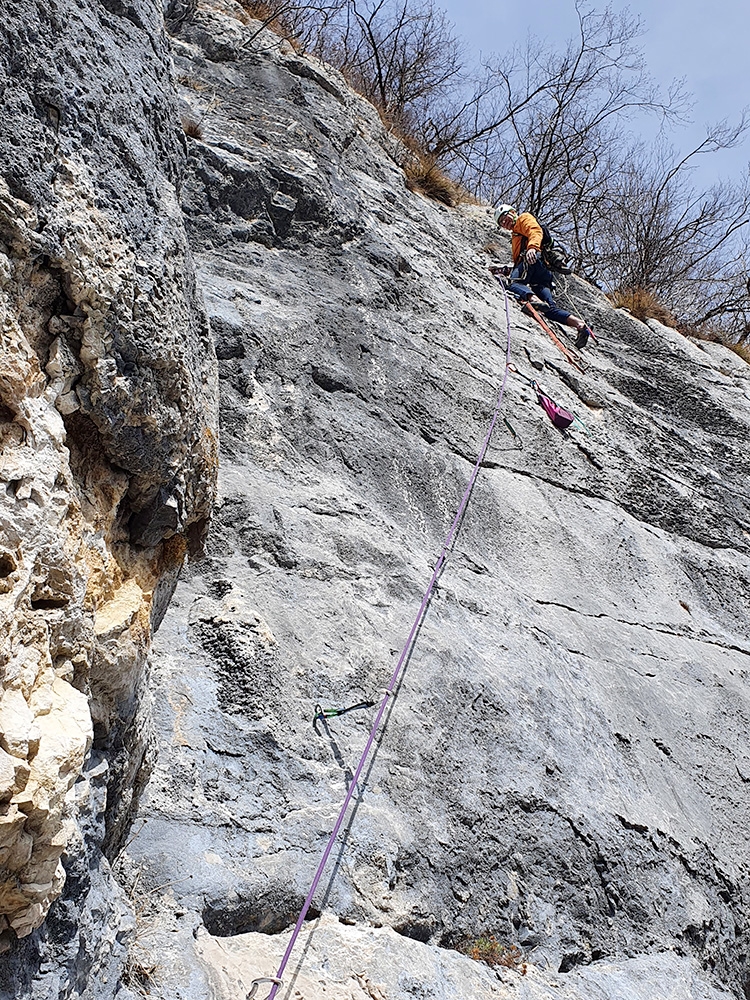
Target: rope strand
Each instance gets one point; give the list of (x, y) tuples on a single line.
[(399, 666)]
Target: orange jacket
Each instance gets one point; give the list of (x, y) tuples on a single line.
[(527, 235)]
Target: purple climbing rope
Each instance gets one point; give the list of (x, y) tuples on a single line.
[(391, 689)]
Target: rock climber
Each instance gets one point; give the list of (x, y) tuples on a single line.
[(531, 281)]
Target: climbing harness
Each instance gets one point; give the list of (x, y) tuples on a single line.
[(402, 660), (331, 713), (501, 275)]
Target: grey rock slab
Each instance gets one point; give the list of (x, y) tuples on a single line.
[(91, 141), (565, 766), (348, 963)]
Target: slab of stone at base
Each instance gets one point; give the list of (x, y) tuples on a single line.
[(388, 966)]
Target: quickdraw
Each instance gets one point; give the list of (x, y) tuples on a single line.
[(331, 713), (397, 674), (516, 436)]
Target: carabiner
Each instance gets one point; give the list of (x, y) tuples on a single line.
[(263, 979)]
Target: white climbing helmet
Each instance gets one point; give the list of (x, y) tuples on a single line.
[(502, 210)]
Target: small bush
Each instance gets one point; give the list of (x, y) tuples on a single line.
[(192, 128), (259, 10), (139, 971), (643, 305), (491, 952), (423, 175)]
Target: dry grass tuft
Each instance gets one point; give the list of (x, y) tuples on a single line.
[(421, 168), (192, 128), (491, 952), (259, 10), (741, 350), (185, 80), (643, 305), (139, 972), (426, 177), (141, 969), (271, 15)]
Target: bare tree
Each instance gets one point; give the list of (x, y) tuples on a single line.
[(548, 130), (687, 245), (400, 54), (545, 121)]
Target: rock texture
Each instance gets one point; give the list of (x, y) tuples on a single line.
[(565, 766), (367, 964), (108, 451)]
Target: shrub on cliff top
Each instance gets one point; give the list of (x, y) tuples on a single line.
[(425, 176), (643, 305), (741, 350)]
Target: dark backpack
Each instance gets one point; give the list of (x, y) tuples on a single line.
[(555, 256)]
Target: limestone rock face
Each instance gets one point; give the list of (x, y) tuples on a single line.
[(565, 766), (107, 435), (357, 963)]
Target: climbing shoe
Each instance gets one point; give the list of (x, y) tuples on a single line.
[(583, 337)]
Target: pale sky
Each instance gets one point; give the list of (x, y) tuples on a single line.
[(705, 42)]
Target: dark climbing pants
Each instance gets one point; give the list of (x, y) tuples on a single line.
[(537, 280)]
